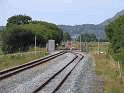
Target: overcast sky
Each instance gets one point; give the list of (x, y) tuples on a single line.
[(69, 12)]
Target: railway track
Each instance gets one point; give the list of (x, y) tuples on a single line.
[(52, 84), (12, 71), (48, 82)]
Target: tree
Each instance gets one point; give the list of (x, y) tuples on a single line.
[(66, 36), (22, 36), (17, 39), (115, 34), (19, 19), (87, 37)]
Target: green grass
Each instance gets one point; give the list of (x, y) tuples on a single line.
[(8, 61), (1, 53), (113, 83), (37, 49), (115, 90)]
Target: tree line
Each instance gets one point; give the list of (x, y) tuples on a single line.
[(20, 33), (89, 37), (115, 34)]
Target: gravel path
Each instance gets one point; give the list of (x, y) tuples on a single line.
[(25, 81)]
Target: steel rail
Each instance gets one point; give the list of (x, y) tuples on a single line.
[(12, 71), (57, 73)]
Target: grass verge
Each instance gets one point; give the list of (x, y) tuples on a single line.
[(8, 61), (113, 83)]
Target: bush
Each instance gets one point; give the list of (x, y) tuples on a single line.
[(23, 36), (17, 38), (3, 48)]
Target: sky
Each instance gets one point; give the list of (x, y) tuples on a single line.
[(67, 12)]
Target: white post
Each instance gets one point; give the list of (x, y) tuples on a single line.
[(39, 47), (67, 44), (71, 46), (44, 51), (19, 51), (71, 43), (120, 69), (39, 50), (86, 46), (35, 45), (76, 43)]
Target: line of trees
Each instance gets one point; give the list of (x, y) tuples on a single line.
[(87, 37), (21, 30), (66, 36), (115, 34)]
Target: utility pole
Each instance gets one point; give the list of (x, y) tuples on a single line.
[(71, 43), (35, 45), (76, 41), (85, 45), (80, 42), (98, 46), (98, 43)]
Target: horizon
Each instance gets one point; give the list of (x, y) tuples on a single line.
[(62, 12)]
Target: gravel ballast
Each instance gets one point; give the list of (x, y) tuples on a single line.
[(82, 79), (26, 81)]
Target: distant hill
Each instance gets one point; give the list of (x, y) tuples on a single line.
[(98, 30), (113, 18)]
